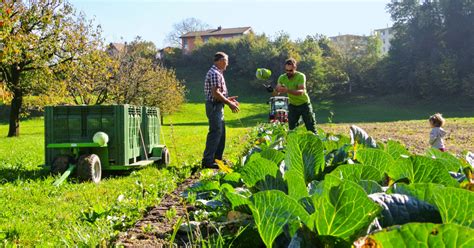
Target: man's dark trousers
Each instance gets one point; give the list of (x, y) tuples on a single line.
[(305, 110), (215, 142)]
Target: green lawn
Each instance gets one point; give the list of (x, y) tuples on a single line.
[(389, 108), (185, 132), (346, 109), (33, 212)]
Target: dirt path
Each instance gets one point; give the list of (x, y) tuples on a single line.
[(155, 228)]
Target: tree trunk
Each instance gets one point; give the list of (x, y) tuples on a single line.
[(17, 101)]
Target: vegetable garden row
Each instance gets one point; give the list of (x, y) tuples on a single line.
[(297, 189)]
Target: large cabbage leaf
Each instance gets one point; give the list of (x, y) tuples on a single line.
[(421, 169), (357, 172), (396, 149), (272, 210), (376, 158), (342, 209), (401, 168), (304, 153), (360, 136), (453, 204), (273, 155), (334, 142), (370, 186), (262, 174), (424, 235), (401, 209), (304, 161), (447, 159), (238, 197), (428, 170)]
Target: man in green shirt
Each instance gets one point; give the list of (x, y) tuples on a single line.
[(293, 83)]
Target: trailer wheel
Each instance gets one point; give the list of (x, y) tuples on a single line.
[(89, 168), (165, 156), (60, 164)]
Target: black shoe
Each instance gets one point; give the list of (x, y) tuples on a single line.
[(210, 166)]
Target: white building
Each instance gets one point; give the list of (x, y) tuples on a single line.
[(385, 34)]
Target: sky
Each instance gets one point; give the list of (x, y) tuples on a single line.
[(153, 20)]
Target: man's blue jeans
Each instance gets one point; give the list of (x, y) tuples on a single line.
[(215, 142)]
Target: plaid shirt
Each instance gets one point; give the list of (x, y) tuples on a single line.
[(214, 78)]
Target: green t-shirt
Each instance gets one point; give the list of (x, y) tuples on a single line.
[(292, 84)]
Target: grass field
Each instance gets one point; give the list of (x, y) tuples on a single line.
[(353, 108), (33, 212)]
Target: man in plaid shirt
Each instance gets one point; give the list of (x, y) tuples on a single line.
[(216, 93)]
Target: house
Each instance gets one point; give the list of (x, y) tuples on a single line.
[(385, 34), (188, 39)]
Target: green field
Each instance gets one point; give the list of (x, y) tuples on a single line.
[(355, 108), (34, 212)]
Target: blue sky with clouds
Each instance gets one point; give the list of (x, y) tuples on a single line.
[(154, 19)]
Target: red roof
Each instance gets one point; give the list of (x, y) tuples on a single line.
[(217, 32)]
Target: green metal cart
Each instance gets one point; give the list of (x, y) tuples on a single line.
[(86, 140)]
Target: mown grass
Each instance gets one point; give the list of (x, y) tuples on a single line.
[(185, 132), (33, 212), (356, 107)]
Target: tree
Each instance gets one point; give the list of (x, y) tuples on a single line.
[(431, 53), (5, 96), (88, 79), (354, 58), (38, 35), (140, 80), (183, 27), (312, 63)]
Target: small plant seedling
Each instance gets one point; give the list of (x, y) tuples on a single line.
[(171, 213), (147, 229), (192, 198)]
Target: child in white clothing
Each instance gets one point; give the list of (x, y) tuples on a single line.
[(437, 133)]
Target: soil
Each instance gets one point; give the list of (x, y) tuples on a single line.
[(415, 134), (155, 229)]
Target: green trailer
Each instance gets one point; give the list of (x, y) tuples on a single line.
[(86, 140)]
